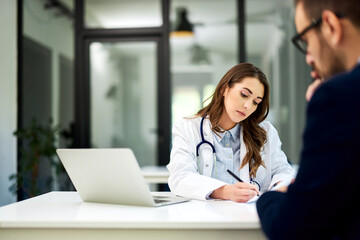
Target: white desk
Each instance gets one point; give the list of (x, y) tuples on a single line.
[(62, 215), (155, 174)]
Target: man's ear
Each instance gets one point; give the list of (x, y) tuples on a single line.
[(331, 27)]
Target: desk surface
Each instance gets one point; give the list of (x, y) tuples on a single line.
[(155, 174), (66, 210)]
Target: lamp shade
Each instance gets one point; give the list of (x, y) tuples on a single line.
[(183, 27)]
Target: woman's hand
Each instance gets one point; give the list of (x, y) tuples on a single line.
[(238, 192)]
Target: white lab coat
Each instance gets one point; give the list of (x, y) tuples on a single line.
[(191, 177)]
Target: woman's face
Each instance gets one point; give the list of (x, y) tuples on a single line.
[(240, 101)]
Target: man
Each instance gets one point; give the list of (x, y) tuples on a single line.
[(324, 200)]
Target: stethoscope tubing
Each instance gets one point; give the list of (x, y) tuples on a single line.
[(203, 141)]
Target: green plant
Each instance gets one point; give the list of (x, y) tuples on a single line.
[(38, 144)]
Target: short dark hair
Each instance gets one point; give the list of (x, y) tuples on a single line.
[(349, 8)]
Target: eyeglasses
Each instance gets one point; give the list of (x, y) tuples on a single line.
[(297, 39)]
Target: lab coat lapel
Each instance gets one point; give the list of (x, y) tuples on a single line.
[(244, 171)]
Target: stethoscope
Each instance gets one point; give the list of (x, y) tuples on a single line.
[(203, 141)]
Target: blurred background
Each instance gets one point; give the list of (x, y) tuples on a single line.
[(119, 73)]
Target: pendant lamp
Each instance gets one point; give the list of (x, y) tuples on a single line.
[(183, 28)]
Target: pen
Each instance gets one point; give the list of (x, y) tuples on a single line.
[(236, 177)]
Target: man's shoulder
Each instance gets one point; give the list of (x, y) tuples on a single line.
[(342, 87), (346, 81), (335, 106)]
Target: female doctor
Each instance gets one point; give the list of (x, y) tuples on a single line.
[(229, 134)]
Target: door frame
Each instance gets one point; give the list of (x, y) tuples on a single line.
[(84, 36), (159, 97)]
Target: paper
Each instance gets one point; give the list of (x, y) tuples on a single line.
[(253, 200)]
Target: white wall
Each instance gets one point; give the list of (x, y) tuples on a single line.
[(8, 96), (54, 31), (46, 28)]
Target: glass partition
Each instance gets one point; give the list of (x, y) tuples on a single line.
[(123, 97)]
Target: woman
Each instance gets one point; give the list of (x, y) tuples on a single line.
[(234, 137)]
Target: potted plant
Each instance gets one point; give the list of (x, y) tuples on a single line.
[(37, 149)]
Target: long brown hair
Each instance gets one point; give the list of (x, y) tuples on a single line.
[(254, 136)]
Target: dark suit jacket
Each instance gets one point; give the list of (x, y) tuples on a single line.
[(324, 200)]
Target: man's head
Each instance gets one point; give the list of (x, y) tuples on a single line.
[(330, 30)]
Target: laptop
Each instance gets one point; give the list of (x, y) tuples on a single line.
[(110, 175)]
